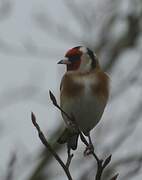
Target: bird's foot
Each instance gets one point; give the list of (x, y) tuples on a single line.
[(89, 150)]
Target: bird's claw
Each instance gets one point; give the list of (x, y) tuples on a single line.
[(89, 150)]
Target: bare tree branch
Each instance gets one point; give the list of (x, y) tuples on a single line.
[(101, 164), (11, 166), (48, 146)]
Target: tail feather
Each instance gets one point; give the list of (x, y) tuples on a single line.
[(70, 138)]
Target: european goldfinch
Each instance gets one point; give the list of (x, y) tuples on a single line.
[(84, 93)]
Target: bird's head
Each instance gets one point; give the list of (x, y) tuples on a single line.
[(80, 58)]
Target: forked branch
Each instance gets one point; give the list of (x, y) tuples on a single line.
[(48, 146), (101, 164)]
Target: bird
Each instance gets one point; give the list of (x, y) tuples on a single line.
[(84, 93)]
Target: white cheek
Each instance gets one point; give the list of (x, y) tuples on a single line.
[(85, 63), (83, 49)]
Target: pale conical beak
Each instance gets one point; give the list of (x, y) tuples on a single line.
[(64, 61)]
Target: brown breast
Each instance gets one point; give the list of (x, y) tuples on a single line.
[(101, 88), (69, 87)]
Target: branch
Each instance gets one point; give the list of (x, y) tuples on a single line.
[(11, 167), (70, 156), (101, 164), (48, 146)]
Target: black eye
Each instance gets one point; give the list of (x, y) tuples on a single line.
[(74, 58)]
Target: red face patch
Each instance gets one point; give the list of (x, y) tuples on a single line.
[(74, 56), (73, 52), (74, 65)]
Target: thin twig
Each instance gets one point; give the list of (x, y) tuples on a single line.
[(69, 158), (48, 146), (52, 97), (101, 164), (11, 167)]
